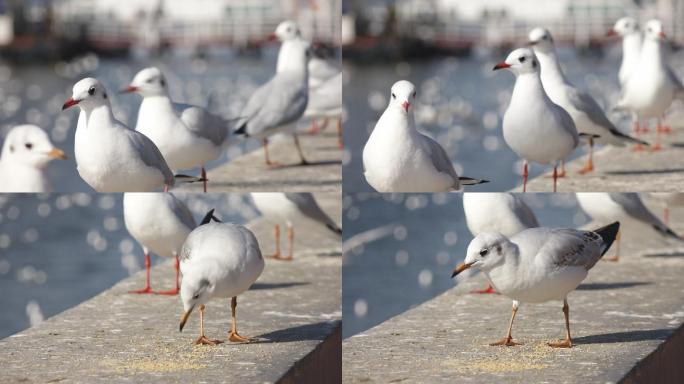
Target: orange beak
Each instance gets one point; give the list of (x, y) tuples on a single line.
[(69, 103), (501, 65), (57, 153), (460, 268), (129, 89)]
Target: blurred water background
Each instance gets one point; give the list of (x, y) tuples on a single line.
[(412, 261), (58, 250)]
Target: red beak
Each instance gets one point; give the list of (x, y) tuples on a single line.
[(405, 105), (611, 33), (69, 103), (272, 37), (501, 65), (129, 89), (662, 35)]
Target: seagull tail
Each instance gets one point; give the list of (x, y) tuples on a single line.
[(242, 130), (471, 181), (209, 216), (334, 228), (186, 179), (608, 234), (628, 138)]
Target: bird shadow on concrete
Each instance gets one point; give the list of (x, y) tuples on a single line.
[(624, 337), (645, 171), (309, 164), (664, 254), (329, 254), (599, 286), (257, 286), (312, 331)]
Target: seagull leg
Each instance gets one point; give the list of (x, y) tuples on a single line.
[(204, 178), (299, 150), (562, 169), (567, 343), (290, 238), (508, 340), (589, 167), (657, 146), (524, 177), (166, 188), (488, 290), (268, 161), (637, 130), (666, 215), (340, 143), (233, 335), (276, 254), (555, 177), (203, 339), (177, 288), (615, 257), (314, 128), (147, 288)]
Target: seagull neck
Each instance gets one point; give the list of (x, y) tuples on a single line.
[(527, 85), (99, 116), (551, 71), (630, 46), (651, 54)]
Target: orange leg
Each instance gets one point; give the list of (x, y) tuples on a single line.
[(488, 290), (589, 167), (276, 254), (637, 130), (658, 146), (177, 288), (203, 339), (615, 257), (233, 335), (147, 288), (567, 343), (268, 161), (508, 340)]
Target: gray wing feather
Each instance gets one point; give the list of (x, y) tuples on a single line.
[(573, 248), (524, 213), (279, 102), (439, 157), (632, 204), (150, 154), (308, 206), (567, 123), (183, 213), (202, 123), (584, 102)]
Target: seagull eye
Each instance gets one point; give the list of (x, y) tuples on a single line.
[(28, 146), (162, 82), (149, 81), (484, 252), (521, 59), (91, 91), (196, 296), (414, 95), (394, 96)]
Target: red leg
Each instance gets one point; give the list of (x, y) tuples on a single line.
[(314, 127), (166, 188), (657, 146), (175, 290), (524, 189), (147, 288), (555, 177), (204, 179), (488, 290), (637, 131)]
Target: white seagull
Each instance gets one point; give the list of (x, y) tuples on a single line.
[(652, 86), (290, 208), (505, 213), (628, 29), (218, 261), (111, 157), (26, 152), (278, 104), (607, 207), (398, 158), (160, 223), (588, 116), (188, 136), (538, 265), (534, 126)]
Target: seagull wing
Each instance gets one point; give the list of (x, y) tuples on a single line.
[(202, 123), (523, 212), (439, 157), (572, 248), (307, 205), (632, 205), (182, 212), (149, 154)]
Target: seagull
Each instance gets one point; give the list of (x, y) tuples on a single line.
[(325, 102), (160, 223), (606, 207), (505, 213), (26, 152), (188, 136), (278, 104), (218, 260), (533, 118), (652, 86), (289, 208), (538, 265), (398, 158), (589, 118), (628, 29), (669, 199), (111, 157)]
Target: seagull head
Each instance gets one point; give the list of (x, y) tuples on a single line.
[(148, 82), (194, 292), (87, 94), (485, 252), (624, 27), (287, 30), (403, 95), (653, 30), (522, 60), (29, 145), (540, 39)]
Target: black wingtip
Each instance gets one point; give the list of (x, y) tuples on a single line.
[(210, 216), (471, 181), (334, 228), (666, 231), (608, 234), (242, 130)]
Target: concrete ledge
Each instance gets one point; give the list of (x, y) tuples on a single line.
[(621, 170), (249, 173), (294, 308), (626, 322)]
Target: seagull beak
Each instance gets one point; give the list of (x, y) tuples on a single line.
[(57, 153), (405, 105), (662, 35), (532, 43), (272, 37), (611, 33), (501, 65), (460, 268), (129, 89), (69, 103), (184, 318)]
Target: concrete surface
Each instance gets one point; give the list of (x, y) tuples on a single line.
[(294, 309), (249, 173), (622, 170), (623, 321)]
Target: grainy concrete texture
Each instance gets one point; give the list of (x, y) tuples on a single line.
[(293, 308), (625, 320), (619, 169), (249, 173)]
